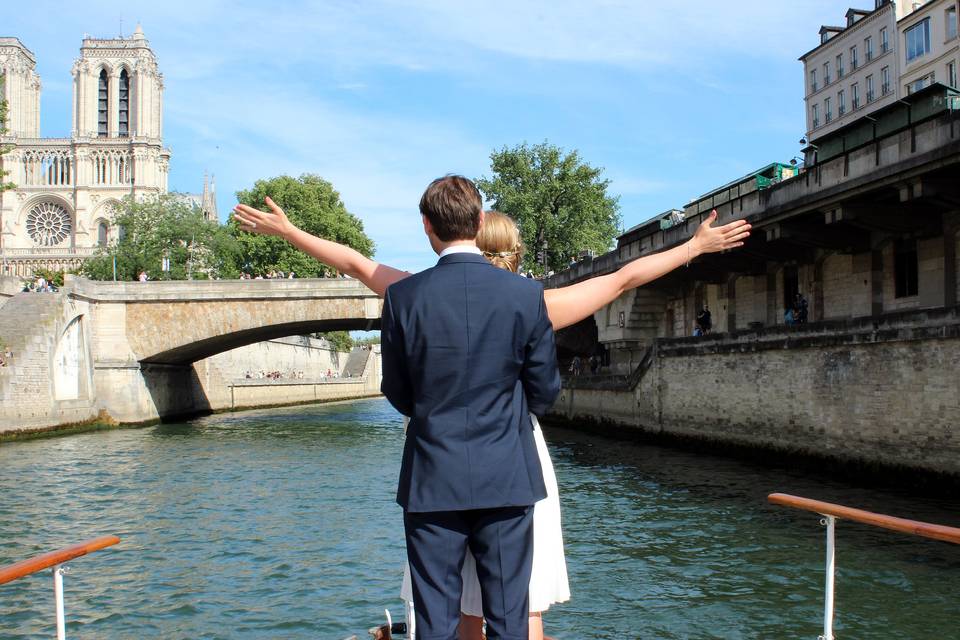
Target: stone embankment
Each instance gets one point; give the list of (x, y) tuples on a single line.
[(43, 382), (878, 392), (67, 358), (225, 392)]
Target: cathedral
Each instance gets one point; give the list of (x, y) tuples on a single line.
[(66, 188)]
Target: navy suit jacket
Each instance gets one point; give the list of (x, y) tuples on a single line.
[(468, 354)]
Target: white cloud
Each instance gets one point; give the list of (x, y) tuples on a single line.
[(259, 89)]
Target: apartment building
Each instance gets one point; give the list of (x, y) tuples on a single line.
[(853, 71), (930, 48)]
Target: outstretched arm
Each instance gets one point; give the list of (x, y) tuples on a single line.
[(569, 305), (341, 257)]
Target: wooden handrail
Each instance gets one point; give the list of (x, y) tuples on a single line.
[(23, 568), (913, 527)]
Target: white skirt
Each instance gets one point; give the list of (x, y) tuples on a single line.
[(548, 580)]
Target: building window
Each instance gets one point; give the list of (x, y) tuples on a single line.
[(952, 74), (906, 268), (854, 61), (103, 98), (868, 49), (813, 80), (827, 111), (839, 66), (951, 23), (918, 39), (869, 89), (854, 96), (884, 41), (816, 116), (885, 80), (826, 73), (841, 103), (102, 233), (124, 100), (920, 83), (48, 224)]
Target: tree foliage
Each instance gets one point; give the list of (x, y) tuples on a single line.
[(4, 149), (366, 342), (165, 227), (312, 204), (339, 340), (53, 277), (559, 202)]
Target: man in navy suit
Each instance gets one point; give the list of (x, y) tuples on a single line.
[(468, 354)]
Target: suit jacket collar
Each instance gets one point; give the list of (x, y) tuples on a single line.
[(454, 258)]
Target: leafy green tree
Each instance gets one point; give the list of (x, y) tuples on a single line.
[(559, 202), (312, 204), (165, 230), (339, 340)]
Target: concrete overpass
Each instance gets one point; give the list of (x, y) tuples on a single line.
[(126, 351)]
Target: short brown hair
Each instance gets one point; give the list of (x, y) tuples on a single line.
[(453, 205)]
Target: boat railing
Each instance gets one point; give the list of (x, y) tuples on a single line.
[(55, 560), (832, 512)]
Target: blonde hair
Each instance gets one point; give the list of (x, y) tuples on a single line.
[(499, 240)]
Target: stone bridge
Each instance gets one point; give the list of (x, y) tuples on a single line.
[(126, 350)]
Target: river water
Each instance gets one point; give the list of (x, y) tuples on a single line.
[(281, 524)]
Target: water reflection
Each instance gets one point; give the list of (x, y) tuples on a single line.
[(281, 523)]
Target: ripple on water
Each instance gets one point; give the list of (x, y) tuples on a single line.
[(282, 523)]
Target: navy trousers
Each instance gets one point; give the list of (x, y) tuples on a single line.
[(501, 540)]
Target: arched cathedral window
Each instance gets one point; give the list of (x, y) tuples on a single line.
[(124, 100), (102, 231), (103, 99)]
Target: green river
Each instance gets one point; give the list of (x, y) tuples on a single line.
[(282, 523)]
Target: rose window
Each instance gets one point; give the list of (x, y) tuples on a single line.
[(48, 224)]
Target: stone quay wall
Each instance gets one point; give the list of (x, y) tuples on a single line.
[(224, 390), (876, 392)]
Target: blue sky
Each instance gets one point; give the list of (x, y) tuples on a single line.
[(379, 97)]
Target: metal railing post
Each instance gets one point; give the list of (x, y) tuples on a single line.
[(830, 522), (58, 600)]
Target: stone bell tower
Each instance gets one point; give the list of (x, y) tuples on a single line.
[(117, 90), (68, 189), (20, 87)]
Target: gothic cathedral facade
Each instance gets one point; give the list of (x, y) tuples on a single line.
[(66, 189)]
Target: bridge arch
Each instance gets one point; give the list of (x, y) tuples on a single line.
[(201, 347)]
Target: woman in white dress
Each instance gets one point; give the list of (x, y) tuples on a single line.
[(499, 239)]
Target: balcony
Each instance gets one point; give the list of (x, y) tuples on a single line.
[(43, 163), (48, 252)]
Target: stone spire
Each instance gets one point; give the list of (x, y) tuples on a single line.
[(208, 201)]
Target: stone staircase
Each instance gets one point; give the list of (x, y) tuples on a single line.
[(28, 326), (356, 363)]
